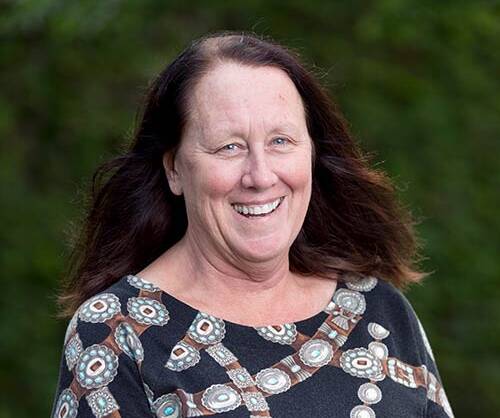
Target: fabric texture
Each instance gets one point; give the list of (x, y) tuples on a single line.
[(134, 350)]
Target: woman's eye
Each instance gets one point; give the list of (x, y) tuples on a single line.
[(230, 147), (281, 141)]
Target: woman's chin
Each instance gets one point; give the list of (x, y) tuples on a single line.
[(260, 250)]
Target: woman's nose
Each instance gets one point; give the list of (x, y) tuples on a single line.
[(259, 172)]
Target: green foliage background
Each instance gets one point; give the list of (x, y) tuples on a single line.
[(417, 79)]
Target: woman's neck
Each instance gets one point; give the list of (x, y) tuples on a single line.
[(245, 293)]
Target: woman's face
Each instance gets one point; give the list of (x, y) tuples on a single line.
[(245, 149)]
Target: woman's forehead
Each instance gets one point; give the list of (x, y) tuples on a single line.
[(229, 96)]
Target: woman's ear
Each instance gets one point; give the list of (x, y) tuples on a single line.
[(173, 178)]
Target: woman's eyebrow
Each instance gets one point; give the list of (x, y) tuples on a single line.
[(285, 126), (229, 130)]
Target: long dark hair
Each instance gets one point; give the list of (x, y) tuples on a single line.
[(354, 223)]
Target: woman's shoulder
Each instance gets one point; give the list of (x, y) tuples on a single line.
[(386, 299), (390, 307), (104, 348), (131, 305)]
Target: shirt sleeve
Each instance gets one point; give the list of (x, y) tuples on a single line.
[(438, 405), (99, 374)]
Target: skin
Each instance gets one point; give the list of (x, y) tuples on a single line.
[(246, 141)]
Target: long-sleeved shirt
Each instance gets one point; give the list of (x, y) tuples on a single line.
[(134, 350)]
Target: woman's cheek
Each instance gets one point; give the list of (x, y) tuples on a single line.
[(217, 179)]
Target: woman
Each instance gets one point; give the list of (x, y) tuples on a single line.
[(243, 260)]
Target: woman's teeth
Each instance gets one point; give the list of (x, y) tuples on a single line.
[(256, 210)]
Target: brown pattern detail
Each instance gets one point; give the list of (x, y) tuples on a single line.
[(300, 339), (421, 375), (151, 295), (423, 378), (112, 323), (294, 378)]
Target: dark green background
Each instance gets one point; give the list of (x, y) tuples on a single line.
[(418, 81)]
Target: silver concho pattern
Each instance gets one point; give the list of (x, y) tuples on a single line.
[(67, 405), (369, 393), (255, 401), (96, 367), (222, 355), (333, 335), (431, 385), (100, 308), (377, 331), (193, 409), (182, 357), (207, 329), (240, 377), (362, 411), (273, 380), (401, 373), (139, 283), (378, 349), (281, 334), (350, 300), (359, 362), (147, 311), (220, 398), (364, 284), (73, 350), (300, 373), (316, 353), (168, 406), (129, 342), (102, 402)]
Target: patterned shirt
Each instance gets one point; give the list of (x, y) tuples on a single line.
[(134, 350)]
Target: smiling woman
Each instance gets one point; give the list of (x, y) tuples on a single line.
[(251, 103), (243, 259)]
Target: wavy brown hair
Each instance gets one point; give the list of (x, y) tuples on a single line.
[(355, 223)]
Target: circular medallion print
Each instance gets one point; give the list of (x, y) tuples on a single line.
[(147, 311), (168, 406), (362, 411), (96, 367), (67, 405), (316, 353), (129, 342), (364, 284), (100, 308), (207, 329), (369, 393), (281, 334), (350, 300), (378, 349), (220, 398), (359, 362), (273, 381), (141, 284)]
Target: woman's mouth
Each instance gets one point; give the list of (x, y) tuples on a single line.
[(250, 211)]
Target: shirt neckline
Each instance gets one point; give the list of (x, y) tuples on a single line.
[(192, 311)]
